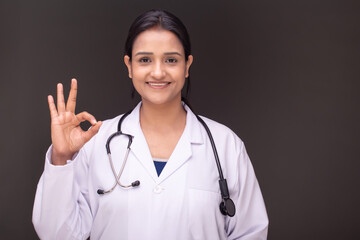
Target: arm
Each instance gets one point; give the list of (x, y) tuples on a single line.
[(61, 210), (250, 220)]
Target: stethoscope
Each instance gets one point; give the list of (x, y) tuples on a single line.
[(227, 206)]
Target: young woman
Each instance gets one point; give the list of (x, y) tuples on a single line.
[(157, 177)]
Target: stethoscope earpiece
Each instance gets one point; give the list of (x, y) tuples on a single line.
[(136, 183)]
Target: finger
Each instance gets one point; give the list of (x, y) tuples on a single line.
[(92, 131), (60, 98), (85, 116), (52, 107), (71, 102)]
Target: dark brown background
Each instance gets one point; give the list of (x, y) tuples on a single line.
[(284, 75)]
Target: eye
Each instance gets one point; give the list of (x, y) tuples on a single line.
[(171, 60), (144, 60)]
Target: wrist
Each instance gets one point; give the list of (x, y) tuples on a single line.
[(60, 159)]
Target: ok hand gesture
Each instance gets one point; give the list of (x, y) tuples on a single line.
[(66, 134)]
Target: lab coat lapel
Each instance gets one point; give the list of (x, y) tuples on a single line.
[(192, 135), (180, 155), (139, 146), (183, 150)]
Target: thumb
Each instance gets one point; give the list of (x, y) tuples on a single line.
[(92, 131)]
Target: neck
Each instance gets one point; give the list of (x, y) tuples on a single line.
[(162, 116)]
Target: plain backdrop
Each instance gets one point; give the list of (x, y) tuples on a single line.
[(283, 74)]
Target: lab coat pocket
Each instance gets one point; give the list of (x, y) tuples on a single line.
[(205, 218)]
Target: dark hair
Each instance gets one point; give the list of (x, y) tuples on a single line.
[(164, 20)]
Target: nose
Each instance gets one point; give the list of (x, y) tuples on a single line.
[(158, 72)]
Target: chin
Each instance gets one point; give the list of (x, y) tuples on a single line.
[(161, 100)]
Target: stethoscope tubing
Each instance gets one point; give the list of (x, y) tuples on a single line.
[(221, 176), (117, 176)]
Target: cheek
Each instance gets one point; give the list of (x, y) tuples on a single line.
[(179, 72), (139, 72)]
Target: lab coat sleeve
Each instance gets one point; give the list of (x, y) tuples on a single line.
[(250, 220), (61, 210)]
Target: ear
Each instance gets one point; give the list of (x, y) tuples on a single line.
[(188, 64), (128, 64)]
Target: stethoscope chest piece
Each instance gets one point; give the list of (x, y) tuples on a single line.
[(227, 207)]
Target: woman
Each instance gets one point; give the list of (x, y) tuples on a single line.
[(76, 195)]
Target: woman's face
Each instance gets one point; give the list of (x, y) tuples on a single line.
[(158, 68)]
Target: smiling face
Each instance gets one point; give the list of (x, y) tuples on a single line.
[(158, 68)]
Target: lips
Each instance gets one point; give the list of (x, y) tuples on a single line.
[(158, 85)]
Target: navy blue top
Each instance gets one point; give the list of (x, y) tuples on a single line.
[(159, 166)]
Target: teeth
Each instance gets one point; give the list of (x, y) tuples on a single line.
[(157, 84)]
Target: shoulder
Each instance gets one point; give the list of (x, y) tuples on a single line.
[(219, 128), (216, 125), (222, 133)]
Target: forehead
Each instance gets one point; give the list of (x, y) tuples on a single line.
[(157, 40)]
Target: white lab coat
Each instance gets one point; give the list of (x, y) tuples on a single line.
[(182, 203)]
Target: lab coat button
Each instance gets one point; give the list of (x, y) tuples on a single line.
[(157, 189)]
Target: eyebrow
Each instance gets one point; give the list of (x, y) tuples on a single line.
[(151, 53)]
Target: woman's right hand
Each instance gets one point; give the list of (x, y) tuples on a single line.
[(66, 134)]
